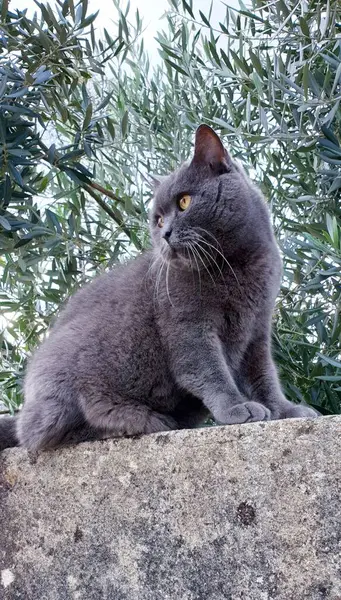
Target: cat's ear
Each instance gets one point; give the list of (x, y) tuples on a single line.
[(155, 180), (209, 150)]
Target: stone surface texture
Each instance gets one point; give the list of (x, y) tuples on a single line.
[(249, 512)]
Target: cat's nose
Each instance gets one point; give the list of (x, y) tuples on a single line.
[(167, 234)]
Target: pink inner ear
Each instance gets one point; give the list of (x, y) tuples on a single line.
[(208, 147)]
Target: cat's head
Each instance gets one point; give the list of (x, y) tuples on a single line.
[(207, 201)]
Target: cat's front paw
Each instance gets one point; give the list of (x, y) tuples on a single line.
[(298, 411), (246, 412)]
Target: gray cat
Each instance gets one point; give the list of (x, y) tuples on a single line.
[(179, 333)]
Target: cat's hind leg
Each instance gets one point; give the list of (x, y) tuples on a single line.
[(47, 421), (114, 416), (51, 424)]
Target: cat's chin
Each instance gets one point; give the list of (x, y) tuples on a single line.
[(180, 261), (176, 257)]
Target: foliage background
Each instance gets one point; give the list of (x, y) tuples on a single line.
[(84, 117)]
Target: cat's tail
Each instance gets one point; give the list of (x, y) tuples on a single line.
[(8, 436)]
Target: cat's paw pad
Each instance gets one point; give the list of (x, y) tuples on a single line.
[(158, 422), (297, 411), (247, 412)]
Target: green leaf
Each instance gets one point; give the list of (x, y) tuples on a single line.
[(222, 123), (111, 128), (330, 135), (188, 8), (335, 185), (92, 35), (119, 48), (15, 174), (176, 67), (332, 113), (124, 124), (124, 25), (204, 19), (88, 116), (16, 108), (4, 9), (5, 224), (3, 85), (105, 101), (51, 154), (84, 4), (330, 361), (214, 53), (328, 159), (226, 59), (305, 80), (240, 64), (333, 229), (336, 79), (330, 146), (304, 27), (256, 63), (329, 378), (53, 220), (251, 15), (88, 20)]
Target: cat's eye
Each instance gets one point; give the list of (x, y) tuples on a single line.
[(160, 222), (184, 202)]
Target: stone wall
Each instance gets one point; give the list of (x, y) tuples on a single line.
[(248, 512)]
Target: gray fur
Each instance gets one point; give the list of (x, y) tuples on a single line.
[(176, 334), (8, 437)]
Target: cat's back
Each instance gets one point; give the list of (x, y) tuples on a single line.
[(117, 291), (103, 325)]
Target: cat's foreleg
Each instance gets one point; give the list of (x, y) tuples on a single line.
[(200, 368), (261, 377)]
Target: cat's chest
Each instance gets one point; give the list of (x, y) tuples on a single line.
[(244, 294), (236, 311), (236, 319)]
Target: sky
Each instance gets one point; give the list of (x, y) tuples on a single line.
[(151, 12)]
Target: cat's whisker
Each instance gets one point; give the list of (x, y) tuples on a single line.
[(201, 259), (191, 265), (210, 235), (202, 262), (156, 264), (161, 275), (155, 286), (218, 249), (211, 259), (196, 262), (153, 267), (158, 278), (200, 239), (189, 257), (206, 253), (167, 285), (203, 241)]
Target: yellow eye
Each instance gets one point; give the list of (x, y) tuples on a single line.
[(160, 222), (184, 202)]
